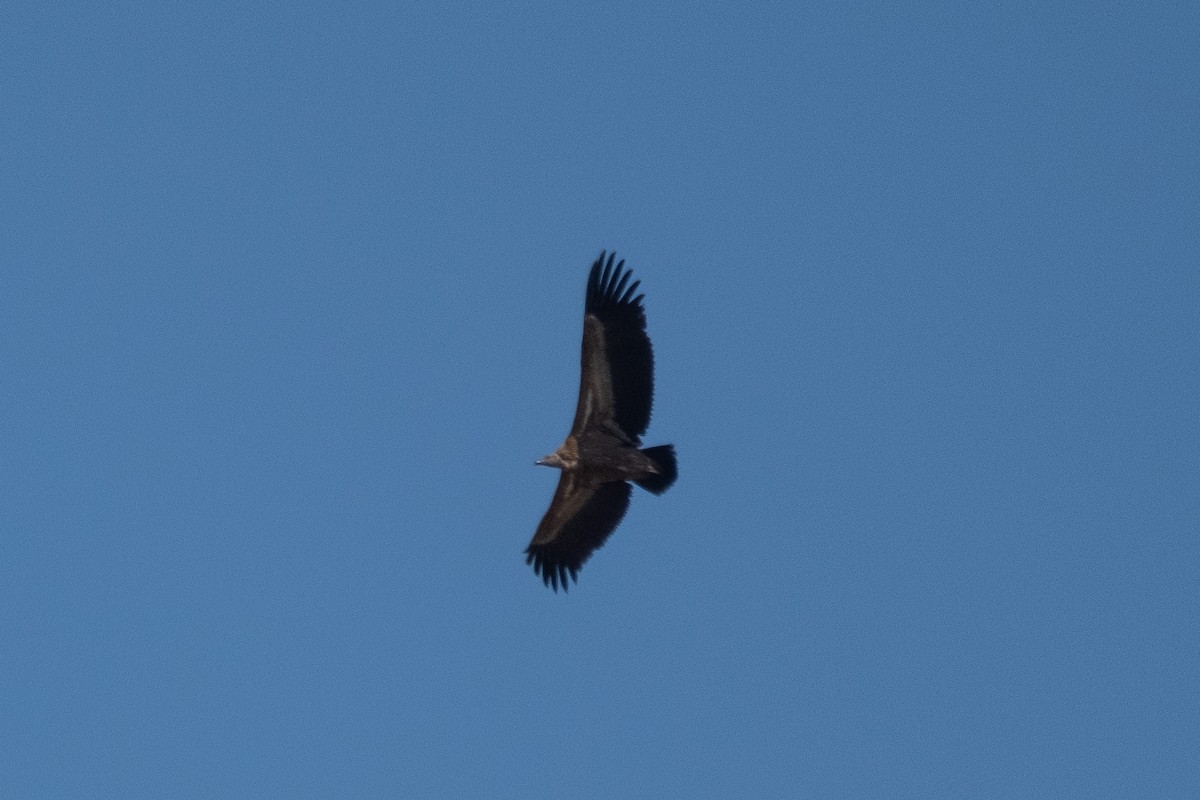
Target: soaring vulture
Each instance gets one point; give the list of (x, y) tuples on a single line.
[(603, 451)]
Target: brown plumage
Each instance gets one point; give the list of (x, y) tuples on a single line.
[(603, 451)]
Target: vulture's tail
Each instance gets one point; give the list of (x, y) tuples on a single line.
[(663, 457)]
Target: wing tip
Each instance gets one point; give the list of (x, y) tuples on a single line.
[(607, 284), (553, 575)]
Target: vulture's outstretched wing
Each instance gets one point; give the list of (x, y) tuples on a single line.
[(617, 380), (578, 521)]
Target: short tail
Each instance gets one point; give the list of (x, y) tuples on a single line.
[(663, 457)]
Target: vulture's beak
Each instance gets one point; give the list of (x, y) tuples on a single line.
[(551, 460)]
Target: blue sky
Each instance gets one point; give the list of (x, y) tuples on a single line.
[(290, 300)]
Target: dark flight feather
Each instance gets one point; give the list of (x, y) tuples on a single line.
[(602, 452)]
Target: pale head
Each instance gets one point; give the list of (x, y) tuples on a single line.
[(565, 457)]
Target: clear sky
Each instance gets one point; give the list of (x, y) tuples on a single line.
[(290, 301)]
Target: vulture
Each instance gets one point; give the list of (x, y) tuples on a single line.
[(603, 452)]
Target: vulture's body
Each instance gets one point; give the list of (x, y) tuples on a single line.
[(603, 451)]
